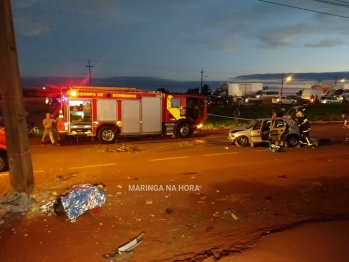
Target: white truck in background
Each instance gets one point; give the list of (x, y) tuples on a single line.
[(308, 92), (338, 89), (240, 89)]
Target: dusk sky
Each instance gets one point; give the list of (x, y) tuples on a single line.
[(175, 39)]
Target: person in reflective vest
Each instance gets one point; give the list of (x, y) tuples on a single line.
[(304, 127)]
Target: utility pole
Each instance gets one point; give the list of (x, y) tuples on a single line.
[(202, 75), (282, 83), (18, 152), (89, 70)]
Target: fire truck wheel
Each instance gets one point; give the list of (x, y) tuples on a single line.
[(184, 130), (107, 134)]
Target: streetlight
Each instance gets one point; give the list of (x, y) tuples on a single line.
[(282, 82)]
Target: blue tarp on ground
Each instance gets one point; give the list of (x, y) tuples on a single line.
[(82, 198)]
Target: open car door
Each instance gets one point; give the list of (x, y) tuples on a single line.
[(278, 129), (256, 132)]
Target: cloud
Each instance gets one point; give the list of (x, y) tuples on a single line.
[(327, 43), (15, 4), (27, 27)]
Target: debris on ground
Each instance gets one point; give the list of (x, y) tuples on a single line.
[(274, 148), (122, 148), (185, 144), (324, 140), (230, 212), (125, 251), (281, 175), (17, 202)]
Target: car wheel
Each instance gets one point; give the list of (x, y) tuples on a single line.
[(293, 103), (292, 141), (280, 103), (329, 103), (242, 141)]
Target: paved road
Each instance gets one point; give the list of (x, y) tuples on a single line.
[(205, 152)]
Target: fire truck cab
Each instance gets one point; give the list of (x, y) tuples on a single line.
[(111, 112)]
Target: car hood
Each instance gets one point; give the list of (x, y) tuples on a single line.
[(237, 129)]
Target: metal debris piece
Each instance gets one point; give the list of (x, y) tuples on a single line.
[(231, 214), (125, 251), (122, 148), (48, 207)]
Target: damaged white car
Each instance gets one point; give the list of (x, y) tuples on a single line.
[(264, 130)]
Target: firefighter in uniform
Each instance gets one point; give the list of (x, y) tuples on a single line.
[(304, 127)]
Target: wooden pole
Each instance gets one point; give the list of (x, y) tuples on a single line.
[(18, 152)]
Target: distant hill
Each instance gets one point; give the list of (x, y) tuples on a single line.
[(153, 83)]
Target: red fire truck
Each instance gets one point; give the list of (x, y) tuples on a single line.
[(111, 112)]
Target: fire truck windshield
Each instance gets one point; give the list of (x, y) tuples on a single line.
[(195, 107)]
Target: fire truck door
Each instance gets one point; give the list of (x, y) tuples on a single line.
[(106, 110), (151, 115), (130, 115)]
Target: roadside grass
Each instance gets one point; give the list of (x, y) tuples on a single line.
[(222, 117)]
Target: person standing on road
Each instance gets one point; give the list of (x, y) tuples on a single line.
[(235, 100), (345, 116), (304, 127), (241, 102), (48, 123), (273, 114), (236, 115)]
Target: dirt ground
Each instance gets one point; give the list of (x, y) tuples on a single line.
[(229, 217), (197, 229)]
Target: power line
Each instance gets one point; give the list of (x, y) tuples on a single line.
[(80, 31), (54, 35), (341, 1), (333, 3), (66, 30), (304, 9)]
